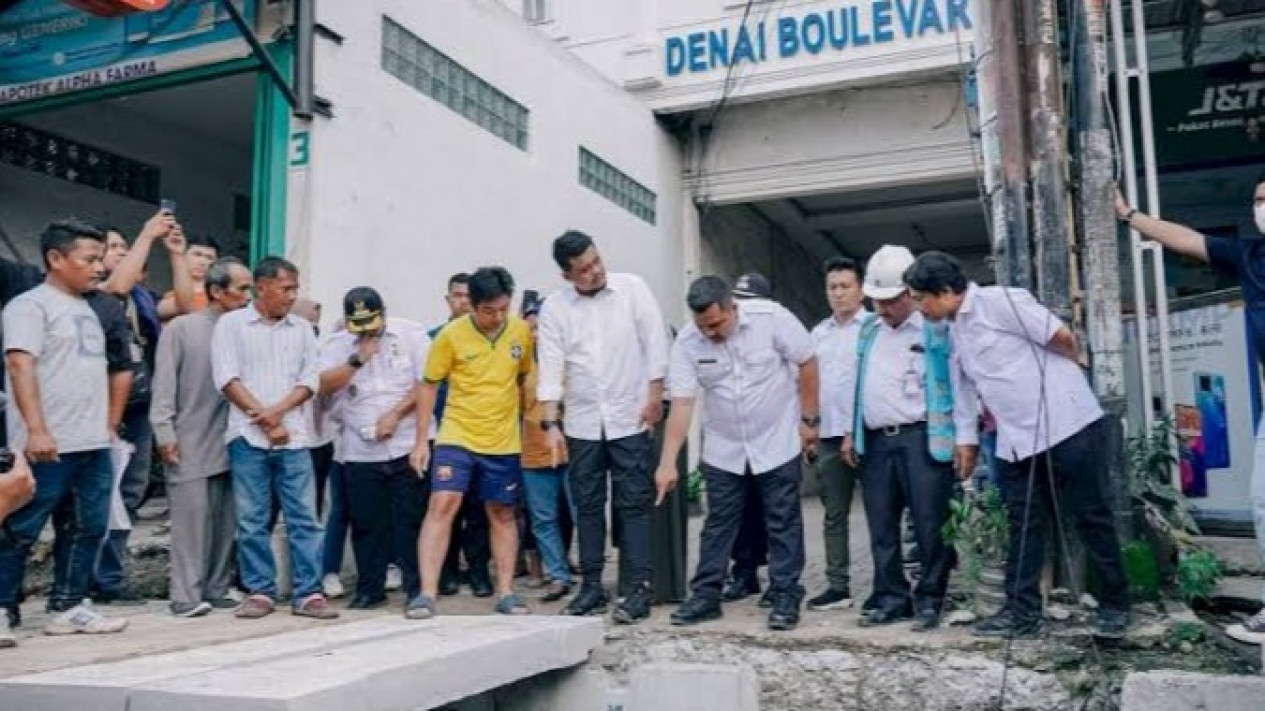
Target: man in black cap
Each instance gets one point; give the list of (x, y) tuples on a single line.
[(372, 373)]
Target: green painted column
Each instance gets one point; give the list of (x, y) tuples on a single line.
[(272, 142)]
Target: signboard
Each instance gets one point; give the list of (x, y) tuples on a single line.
[(1216, 403), (49, 47), (1208, 113), (835, 30)]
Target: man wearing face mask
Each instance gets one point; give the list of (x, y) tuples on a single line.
[(1244, 259)]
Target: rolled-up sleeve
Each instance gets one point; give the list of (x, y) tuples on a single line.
[(966, 405), (225, 364), (651, 332), (310, 370), (162, 408), (550, 338), (682, 373)]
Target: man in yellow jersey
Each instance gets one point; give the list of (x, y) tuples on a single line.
[(484, 358)]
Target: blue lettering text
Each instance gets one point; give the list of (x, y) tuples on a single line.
[(859, 38), (698, 51), (930, 19), (743, 49), (674, 53), (882, 15), (718, 48), (814, 33), (959, 18), (787, 38)]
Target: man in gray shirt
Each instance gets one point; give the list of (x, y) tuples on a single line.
[(55, 352), (189, 417)]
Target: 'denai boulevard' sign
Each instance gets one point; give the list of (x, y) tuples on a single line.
[(835, 29)]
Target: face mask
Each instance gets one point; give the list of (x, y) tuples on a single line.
[(1260, 217)]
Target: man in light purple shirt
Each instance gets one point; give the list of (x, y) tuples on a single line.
[(1050, 434)]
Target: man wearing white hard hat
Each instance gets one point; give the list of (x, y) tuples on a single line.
[(914, 420)]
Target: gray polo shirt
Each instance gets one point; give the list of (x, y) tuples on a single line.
[(186, 409)]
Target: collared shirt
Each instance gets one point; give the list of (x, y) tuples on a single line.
[(187, 409), (270, 360), (895, 388), (376, 388), (607, 349), (836, 347), (1002, 339), (750, 399)]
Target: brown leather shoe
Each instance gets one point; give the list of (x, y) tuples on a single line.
[(316, 607), (254, 607)]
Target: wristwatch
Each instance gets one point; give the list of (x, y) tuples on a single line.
[(355, 361), (547, 425), (814, 421)]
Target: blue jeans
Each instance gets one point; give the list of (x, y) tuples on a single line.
[(337, 522), (543, 489), (86, 480), (258, 475)]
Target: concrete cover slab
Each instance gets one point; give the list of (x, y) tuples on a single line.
[(697, 687), (1183, 691), (378, 664)]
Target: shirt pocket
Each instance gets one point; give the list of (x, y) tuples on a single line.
[(760, 363), (712, 370), (984, 353)]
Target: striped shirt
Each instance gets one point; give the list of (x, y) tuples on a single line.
[(270, 360)]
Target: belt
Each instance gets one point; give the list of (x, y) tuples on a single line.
[(896, 430)]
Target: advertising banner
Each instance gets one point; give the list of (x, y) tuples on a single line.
[(51, 47)]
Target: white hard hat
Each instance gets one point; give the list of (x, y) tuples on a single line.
[(885, 273)]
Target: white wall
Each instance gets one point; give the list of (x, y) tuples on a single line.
[(405, 192), (200, 172)]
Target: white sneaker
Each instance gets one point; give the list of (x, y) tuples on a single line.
[(395, 577), (1250, 631), (332, 586), (235, 595), (82, 619), (7, 638)]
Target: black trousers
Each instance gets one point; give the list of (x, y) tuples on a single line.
[(386, 502), (899, 472), (469, 536), (751, 547), (1075, 471), (629, 461), (727, 494)]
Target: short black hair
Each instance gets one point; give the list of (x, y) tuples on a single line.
[(936, 273), (273, 267), (570, 245), (458, 278), (203, 241), (220, 275), (707, 291), (61, 235), (489, 284), (843, 264)]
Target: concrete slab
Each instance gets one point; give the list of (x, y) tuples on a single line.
[(1183, 691), (697, 687), (387, 663)]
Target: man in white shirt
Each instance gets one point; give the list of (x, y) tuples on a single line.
[(1022, 360), (738, 357), (835, 343), (914, 420), (264, 360), (372, 372), (603, 358)]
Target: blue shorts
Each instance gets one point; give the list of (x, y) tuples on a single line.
[(499, 477)]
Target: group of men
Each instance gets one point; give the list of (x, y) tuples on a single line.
[(438, 437)]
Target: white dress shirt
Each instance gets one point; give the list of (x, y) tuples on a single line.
[(270, 360), (598, 355), (750, 399), (1001, 337), (836, 347), (895, 388), (376, 388)]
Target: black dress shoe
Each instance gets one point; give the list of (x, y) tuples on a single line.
[(766, 600), (740, 587), (1006, 625), (885, 616), (364, 602), (926, 621), (591, 600), (449, 585), (635, 607), (697, 610), (785, 614), (556, 591), (480, 585)]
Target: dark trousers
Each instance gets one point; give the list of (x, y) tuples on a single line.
[(385, 501), (751, 547), (1075, 471), (469, 535), (783, 519), (629, 461), (111, 571), (898, 472), (86, 480)]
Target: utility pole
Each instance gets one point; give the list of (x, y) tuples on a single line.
[(999, 67)]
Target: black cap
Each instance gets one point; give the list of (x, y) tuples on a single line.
[(753, 286), (531, 302), (363, 309)]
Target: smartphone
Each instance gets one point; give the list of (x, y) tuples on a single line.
[(1213, 421), (167, 205)]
